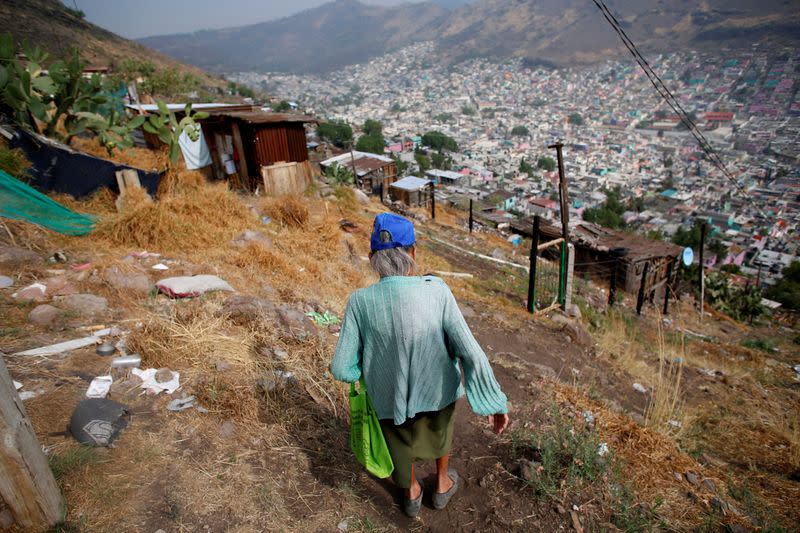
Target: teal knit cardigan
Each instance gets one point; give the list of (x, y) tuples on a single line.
[(407, 335)]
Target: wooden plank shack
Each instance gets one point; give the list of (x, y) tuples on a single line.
[(595, 260), (287, 178), (254, 139)]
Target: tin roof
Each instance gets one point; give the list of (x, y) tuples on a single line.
[(263, 117), (411, 183)]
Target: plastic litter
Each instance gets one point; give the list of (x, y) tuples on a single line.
[(62, 347), (602, 450), (181, 404), (191, 286), (99, 387), (105, 349), (160, 266), (150, 382), (126, 361), (323, 319), (98, 421), (28, 394), (17, 385), (6, 282), (640, 388)]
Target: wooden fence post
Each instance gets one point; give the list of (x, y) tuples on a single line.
[(532, 269), (27, 484), (470, 215), (642, 287)]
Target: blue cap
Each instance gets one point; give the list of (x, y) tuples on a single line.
[(401, 232)]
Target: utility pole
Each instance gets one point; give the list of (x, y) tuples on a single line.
[(562, 191), (667, 285)]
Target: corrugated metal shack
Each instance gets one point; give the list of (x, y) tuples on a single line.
[(412, 191), (244, 141), (371, 169), (595, 248)]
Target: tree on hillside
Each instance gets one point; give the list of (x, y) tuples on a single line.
[(609, 214), (467, 110), (441, 161), (439, 141), (576, 119), (520, 131), (787, 289), (372, 140), (423, 163), (526, 168), (444, 117), (337, 132), (546, 163), (372, 127)]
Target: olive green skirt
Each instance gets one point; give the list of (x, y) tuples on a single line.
[(426, 436)]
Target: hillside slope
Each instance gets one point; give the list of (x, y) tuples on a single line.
[(566, 32), (552, 32), (321, 39), (49, 24)]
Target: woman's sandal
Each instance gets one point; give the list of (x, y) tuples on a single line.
[(412, 507), (440, 499)]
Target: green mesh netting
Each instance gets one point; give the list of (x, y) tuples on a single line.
[(21, 202)]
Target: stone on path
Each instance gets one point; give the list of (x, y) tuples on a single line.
[(14, 255), (87, 305), (36, 292), (6, 282), (128, 281), (295, 323), (45, 315), (246, 310)]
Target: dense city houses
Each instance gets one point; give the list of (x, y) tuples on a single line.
[(618, 134)]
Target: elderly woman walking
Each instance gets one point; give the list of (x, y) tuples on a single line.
[(406, 335)]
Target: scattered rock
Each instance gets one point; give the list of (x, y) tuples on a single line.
[(60, 286), (84, 304), (678, 476), (164, 375), (710, 485), (246, 310), (342, 526), (692, 478), (32, 293), (544, 371), (280, 354), (132, 281), (58, 257), (44, 315), (14, 255), (361, 196), (574, 311), (6, 519), (574, 329), (223, 366), (252, 236), (6, 282), (227, 430), (295, 323), (497, 253), (720, 505)]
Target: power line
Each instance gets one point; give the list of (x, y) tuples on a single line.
[(669, 98)]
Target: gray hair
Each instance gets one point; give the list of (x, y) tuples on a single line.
[(392, 261)]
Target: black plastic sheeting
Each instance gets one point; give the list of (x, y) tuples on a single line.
[(59, 168)]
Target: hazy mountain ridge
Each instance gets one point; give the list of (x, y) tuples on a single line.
[(556, 32), (320, 39)]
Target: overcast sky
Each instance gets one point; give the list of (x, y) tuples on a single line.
[(142, 18)]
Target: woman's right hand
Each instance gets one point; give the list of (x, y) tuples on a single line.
[(498, 423)]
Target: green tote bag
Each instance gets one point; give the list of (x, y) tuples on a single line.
[(366, 437)]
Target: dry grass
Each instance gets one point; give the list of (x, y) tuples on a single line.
[(143, 158), (664, 410), (186, 221), (618, 340), (288, 211)]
